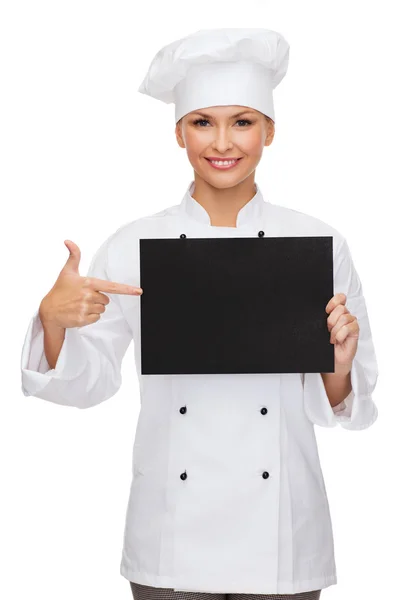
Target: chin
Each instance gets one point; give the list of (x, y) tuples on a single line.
[(219, 182)]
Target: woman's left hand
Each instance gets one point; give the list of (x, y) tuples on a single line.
[(344, 330)]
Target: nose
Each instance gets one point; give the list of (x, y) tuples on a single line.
[(222, 142)]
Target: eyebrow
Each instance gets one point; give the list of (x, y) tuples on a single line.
[(232, 117)]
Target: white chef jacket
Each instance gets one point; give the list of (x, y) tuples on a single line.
[(227, 492)]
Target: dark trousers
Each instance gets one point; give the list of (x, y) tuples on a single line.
[(146, 592)]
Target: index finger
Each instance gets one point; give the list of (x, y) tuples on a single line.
[(103, 285), (337, 299)]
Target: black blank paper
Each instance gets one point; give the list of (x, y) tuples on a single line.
[(236, 305)]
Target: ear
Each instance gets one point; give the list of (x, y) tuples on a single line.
[(178, 134), (270, 133)]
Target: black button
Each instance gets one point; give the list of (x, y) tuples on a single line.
[(264, 410), (182, 410), (265, 474), (183, 475), (183, 235), (261, 234)]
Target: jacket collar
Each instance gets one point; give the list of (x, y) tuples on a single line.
[(249, 214)]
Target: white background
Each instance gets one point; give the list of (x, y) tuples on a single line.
[(82, 152)]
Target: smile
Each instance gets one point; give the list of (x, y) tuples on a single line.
[(223, 164)]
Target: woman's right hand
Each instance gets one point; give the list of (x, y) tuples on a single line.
[(75, 301)]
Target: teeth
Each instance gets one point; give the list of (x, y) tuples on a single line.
[(223, 162)]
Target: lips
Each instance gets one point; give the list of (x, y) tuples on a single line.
[(230, 165), (223, 159)]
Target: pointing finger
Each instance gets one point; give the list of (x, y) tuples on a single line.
[(112, 287)]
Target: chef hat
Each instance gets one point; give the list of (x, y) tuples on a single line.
[(213, 67)]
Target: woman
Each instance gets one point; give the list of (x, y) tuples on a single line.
[(227, 495)]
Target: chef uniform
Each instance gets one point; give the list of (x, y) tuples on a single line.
[(227, 492)]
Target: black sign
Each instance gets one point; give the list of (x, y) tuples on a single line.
[(236, 305)]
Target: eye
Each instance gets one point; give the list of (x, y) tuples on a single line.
[(198, 121)]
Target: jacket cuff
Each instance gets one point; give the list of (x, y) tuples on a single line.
[(35, 370), (357, 411), (340, 408)]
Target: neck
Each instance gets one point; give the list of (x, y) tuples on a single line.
[(223, 204)]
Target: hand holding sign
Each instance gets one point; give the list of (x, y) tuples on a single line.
[(344, 330)]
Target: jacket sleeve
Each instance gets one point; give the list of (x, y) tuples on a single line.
[(358, 410), (88, 369)]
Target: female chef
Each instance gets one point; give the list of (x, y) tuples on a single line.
[(227, 495)]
